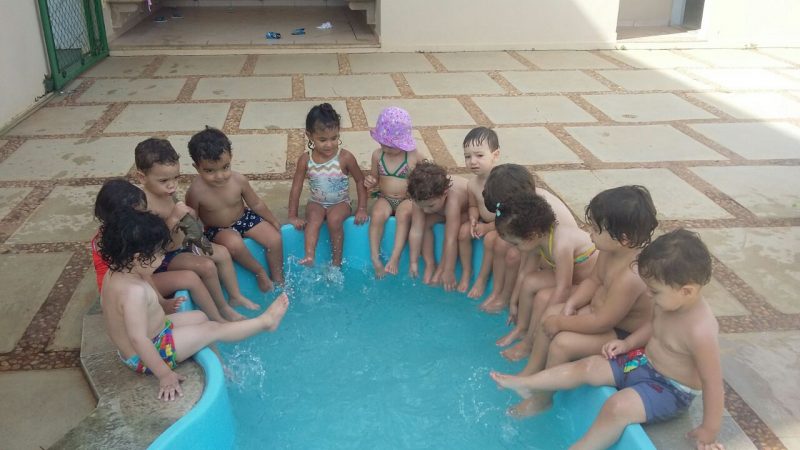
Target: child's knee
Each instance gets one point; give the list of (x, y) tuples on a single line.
[(512, 257), (206, 268), (465, 232)]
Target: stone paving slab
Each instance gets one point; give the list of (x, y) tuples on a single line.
[(554, 82), (525, 110), (767, 191), (653, 59), (9, 197), (271, 115), (646, 107), (424, 112), (722, 302), (461, 83), (527, 146), (766, 140), (729, 57), (673, 197), (128, 67), (478, 61), (765, 105), (27, 280), (60, 120), (138, 89), (302, 63), (252, 153), (570, 59), (350, 86), (765, 258), (68, 333), (672, 434), (66, 215), (791, 54), (239, 88), (746, 79), (201, 65), (654, 80), (389, 62), (181, 117)]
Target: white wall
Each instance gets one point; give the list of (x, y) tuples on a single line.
[(409, 25), (644, 13), (23, 60), (748, 22)]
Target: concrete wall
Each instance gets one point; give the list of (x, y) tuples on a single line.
[(644, 13), (501, 24), (23, 60), (761, 23)]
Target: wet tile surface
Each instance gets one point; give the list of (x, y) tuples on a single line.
[(60, 120), (201, 65), (641, 143), (141, 89), (64, 216), (127, 67), (765, 191), (10, 197), (141, 118)]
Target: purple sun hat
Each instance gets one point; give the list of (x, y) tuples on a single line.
[(394, 129)]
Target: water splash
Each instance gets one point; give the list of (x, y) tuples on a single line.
[(245, 370)]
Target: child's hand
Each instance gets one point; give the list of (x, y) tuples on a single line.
[(170, 386), (568, 310), (370, 182), (480, 230), (361, 216), (297, 223), (181, 209), (551, 326), (705, 439), (614, 348), (473, 222)]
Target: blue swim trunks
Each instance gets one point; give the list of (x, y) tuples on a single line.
[(164, 266), (248, 220), (663, 398)]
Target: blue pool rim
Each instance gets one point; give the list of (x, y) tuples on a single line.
[(210, 423)]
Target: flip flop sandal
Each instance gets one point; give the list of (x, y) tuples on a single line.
[(272, 35), (299, 32)]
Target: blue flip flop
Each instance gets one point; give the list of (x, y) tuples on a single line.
[(272, 35), (299, 32)]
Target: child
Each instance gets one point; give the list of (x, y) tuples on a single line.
[(398, 150), (436, 198), (481, 152), (132, 245), (157, 169), (328, 169), (681, 353), (558, 255), (612, 302), (231, 209)]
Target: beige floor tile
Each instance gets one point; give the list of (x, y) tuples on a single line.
[(26, 280), (641, 143), (746, 79), (654, 80), (729, 57), (765, 258), (762, 368), (66, 215), (524, 145), (271, 115), (40, 406), (276, 195), (671, 434), (791, 73), (351, 86), (673, 197), (765, 140), (653, 59), (389, 62), (646, 107), (77, 158), (10, 197), (525, 110), (554, 81), (302, 63), (178, 117), (463, 83), (243, 88), (95, 339), (68, 332), (120, 66), (201, 65), (722, 302), (767, 191), (60, 120), (478, 61), (557, 59), (424, 112), (139, 89), (361, 144), (791, 54), (764, 105), (252, 153), (2, 143)]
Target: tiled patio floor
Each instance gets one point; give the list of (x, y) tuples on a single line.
[(714, 134)]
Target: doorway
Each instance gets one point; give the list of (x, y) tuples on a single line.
[(659, 21)]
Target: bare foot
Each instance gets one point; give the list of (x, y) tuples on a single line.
[(378, 266), (520, 350), (427, 278), (171, 305), (264, 283), (274, 314), (517, 383), (477, 289), (463, 285), (510, 337), (243, 301), (493, 305), (231, 315), (391, 267), (537, 403), (308, 261)]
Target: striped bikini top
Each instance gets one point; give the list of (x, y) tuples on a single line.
[(548, 256), (400, 172), (328, 184)]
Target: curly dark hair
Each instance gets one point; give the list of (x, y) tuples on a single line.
[(676, 259), (428, 180), (209, 145), (154, 151), (477, 136), (627, 212), (322, 117), (506, 182), (132, 235), (115, 195), (525, 217)]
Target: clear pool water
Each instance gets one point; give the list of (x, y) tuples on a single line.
[(359, 363)]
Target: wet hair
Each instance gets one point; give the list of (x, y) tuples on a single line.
[(322, 117), (525, 217), (626, 212), (209, 145), (154, 151), (506, 182), (428, 180), (117, 194), (479, 135), (676, 259), (131, 236)]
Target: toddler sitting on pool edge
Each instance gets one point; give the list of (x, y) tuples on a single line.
[(148, 341)]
